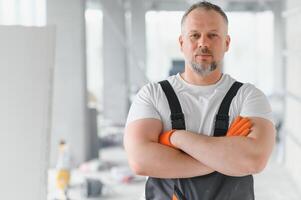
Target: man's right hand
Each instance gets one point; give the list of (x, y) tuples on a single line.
[(164, 138), (241, 126)]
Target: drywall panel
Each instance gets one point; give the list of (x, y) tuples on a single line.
[(26, 68)]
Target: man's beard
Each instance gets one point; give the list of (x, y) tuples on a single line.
[(203, 69)]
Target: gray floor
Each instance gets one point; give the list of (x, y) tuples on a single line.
[(274, 183)]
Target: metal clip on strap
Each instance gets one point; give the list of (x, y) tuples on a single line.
[(221, 124), (177, 121)]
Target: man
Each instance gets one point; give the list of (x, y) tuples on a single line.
[(188, 157)]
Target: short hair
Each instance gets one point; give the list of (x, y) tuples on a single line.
[(207, 6)]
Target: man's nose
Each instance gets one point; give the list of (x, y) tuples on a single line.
[(203, 42)]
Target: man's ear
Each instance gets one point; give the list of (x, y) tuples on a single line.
[(181, 42), (228, 40)]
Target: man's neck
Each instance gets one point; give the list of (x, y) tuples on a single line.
[(194, 78)]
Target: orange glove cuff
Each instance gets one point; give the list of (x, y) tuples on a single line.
[(164, 138)]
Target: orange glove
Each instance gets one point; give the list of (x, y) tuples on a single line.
[(164, 138), (240, 127)]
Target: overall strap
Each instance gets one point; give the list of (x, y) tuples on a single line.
[(176, 116), (222, 117)]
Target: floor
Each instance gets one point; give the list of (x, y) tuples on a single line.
[(273, 183)]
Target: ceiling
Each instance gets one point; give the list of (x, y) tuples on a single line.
[(182, 5), (227, 5)]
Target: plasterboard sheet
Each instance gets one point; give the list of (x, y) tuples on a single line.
[(26, 68)]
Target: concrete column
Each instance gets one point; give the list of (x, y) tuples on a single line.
[(279, 45), (292, 15), (278, 71), (115, 82), (137, 36), (69, 120)]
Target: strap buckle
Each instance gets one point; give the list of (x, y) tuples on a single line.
[(221, 125), (177, 121)]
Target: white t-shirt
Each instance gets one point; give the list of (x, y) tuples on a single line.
[(64, 159), (199, 103)]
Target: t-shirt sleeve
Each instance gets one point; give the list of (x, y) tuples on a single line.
[(143, 105), (256, 104)]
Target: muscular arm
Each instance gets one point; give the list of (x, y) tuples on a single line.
[(235, 156), (147, 157)]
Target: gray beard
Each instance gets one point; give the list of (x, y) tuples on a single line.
[(203, 70)]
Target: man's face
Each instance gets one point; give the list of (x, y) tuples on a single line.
[(204, 40)]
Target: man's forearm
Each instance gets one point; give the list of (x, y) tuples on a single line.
[(156, 160), (235, 156), (223, 154)]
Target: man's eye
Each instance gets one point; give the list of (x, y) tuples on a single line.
[(212, 35), (195, 36)]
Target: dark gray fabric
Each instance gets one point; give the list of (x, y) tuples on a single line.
[(214, 186)]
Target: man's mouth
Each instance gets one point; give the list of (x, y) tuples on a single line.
[(203, 56)]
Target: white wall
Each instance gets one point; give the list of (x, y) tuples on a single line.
[(26, 65)]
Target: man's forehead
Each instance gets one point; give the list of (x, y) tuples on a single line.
[(205, 12), (206, 25), (208, 19), (196, 30), (201, 15)]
